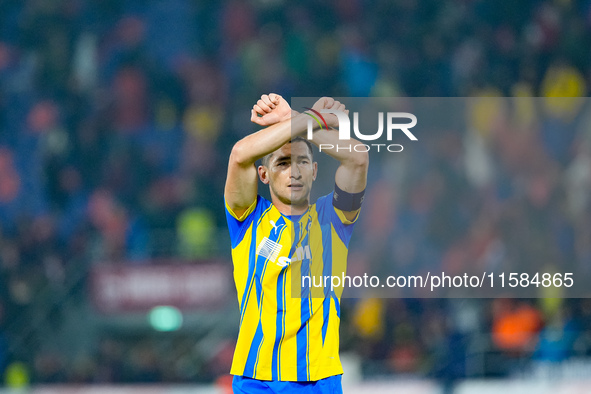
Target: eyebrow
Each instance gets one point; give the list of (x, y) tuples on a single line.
[(280, 158)]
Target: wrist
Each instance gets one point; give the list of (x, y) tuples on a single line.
[(290, 115), (300, 122)]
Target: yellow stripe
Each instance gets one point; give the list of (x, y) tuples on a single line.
[(268, 324), (283, 314), (288, 353), (263, 215), (321, 361), (308, 341)]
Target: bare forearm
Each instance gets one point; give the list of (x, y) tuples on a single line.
[(254, 146), (342, 150), (351, 176)]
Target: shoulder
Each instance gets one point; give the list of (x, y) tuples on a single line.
[(256, 208), (324, 201), (323, 207), (326, 210)]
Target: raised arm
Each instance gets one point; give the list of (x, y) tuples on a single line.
[(351, 175), (241, 181)]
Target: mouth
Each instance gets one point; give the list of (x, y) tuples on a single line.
[(296, 186)]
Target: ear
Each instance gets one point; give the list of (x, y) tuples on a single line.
[(263, 174), (315, 171)]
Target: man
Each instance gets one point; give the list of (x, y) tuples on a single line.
[(289, 343)]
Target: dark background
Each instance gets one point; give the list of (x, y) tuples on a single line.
[(116, 123)]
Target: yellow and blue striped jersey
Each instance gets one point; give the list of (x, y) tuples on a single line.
[(288, 331)]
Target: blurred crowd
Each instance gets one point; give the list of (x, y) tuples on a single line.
[(117, 118)]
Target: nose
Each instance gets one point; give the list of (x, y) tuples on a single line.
[(295, 172)]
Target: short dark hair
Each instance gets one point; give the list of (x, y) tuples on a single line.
[(266, 158)]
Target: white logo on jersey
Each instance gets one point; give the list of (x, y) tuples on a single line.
[(283, 261), (276, 227), (269, 249), (302, 252)]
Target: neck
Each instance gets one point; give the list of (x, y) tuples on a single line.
[(289, 209)]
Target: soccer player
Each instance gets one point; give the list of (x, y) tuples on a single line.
[(289, 343)]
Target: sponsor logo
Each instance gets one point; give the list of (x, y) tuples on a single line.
[(283, 261), (269, 249), (276, 227), (302, 252)]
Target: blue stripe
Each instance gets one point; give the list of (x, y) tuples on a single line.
[(250, 367), (251, 266), (257, 342), (337, 304), (326, 230), (280, 315), (327, 212), (237, 228), (302, 336), (344, 231), (308, 349), (279, 325), (302, 342), (265, 212), (254, 343), (259, 275)]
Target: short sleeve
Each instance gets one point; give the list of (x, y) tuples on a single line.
[(327, 213), (239, 225), (342, 217)]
